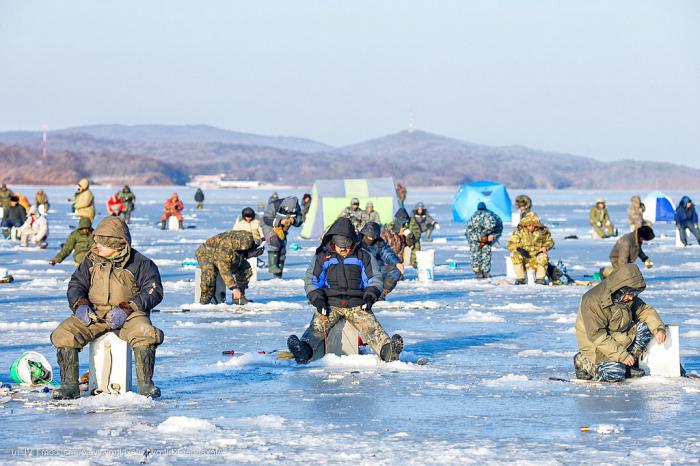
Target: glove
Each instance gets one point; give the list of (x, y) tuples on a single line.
[(117, 316), (437, 226), (648, 264), (85, 313), (320, 302), (523, 252), (599, 224), (368, 301), (52, 262)]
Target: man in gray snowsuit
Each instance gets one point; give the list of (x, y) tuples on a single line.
[(483, 229), (279, 217)]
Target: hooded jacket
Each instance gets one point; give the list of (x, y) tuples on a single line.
[(686, 218), (15, 214), (425, 221), (278, 210), (403, 220), (77, 242), (380, 250), (199, 195), (626, 250), (343, 280), (604, 329), (84, 202), (635, 212), (37, 226), (531, 242), (132, 278), (227, 253)]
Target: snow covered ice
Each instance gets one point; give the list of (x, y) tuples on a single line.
[(484, 397)]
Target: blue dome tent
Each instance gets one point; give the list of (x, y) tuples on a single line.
[(659, 208), (494, 195)]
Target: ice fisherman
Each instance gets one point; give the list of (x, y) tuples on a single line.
[(483, 229), (173, 207), (305, 206), (226, 255), (635, 212), (115, 205), (114, 288), (13, 216), (79, 242), (600, 220), (529, 245), (248, 222), (35, 229), (425, 221), (628, 249), (370, 215), (523, 203), (354, 213), (5, 195), (687, 217), (41, 201), (390, 265), (279, 217), (343, 281), (129, 200), (199, 198), (84, 201), (614, 326), (404, 225)]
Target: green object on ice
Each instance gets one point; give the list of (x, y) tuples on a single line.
[(31, 368), (597, 277)]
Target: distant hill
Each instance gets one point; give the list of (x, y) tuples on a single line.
[(159, 154)]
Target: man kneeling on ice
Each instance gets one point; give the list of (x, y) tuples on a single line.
[(226, 254), (343, 281), (614, 326), (114, 288)]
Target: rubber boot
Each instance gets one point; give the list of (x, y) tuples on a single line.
[(179, 222), (391, 351), (273, 258), (300, 349), (68, 363), (428, 235), (242, 301), (145, 357), (162, 224)]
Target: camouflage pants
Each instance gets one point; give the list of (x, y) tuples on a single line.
[(138, 331), (611, 371), (210, 274), (539, 263), (364, 321), (481, 257), (414, 260)]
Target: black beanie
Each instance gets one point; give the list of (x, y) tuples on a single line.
[(645, 233), (248, 212)]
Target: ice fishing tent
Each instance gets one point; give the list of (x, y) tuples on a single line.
[(330, 197), (494, 195), (659, 208)]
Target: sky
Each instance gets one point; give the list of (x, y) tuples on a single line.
[(610, 80)]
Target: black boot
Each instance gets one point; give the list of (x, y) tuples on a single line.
[(145, 357), (520, 281), (242, 301), (300, 349), (162, 224), (273, 258), (391, 351), (68, 364), (540, 281), (179, 222)]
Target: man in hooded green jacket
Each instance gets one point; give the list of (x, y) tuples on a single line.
[(614, 326), (79, 242)]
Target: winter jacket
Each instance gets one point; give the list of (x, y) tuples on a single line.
[(40, 198), (15, 214), (356, 216), (523, 201), (132, 278), (37, 227), (173, 205), (199, 196), (424, 220), (368, 217), (380, 250), (343, 281), (531, 242), (227, 252), (635, 212), (413, 232), (277, 211), (599, 217), (78, 243), (253, 227), (626, 250), (686, 218), (395, 241), (84, 202), (5, 195), (128, 199), (115, 205), (604, 329), (482, 224)]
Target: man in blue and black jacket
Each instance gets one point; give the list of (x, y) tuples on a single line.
[(390, 265), (343, 281)]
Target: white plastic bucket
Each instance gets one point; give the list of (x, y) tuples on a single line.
[(110, 364), (426, 265), (253, 261), (173, 223), (663, 360), (510, 270), (530, 277), (515, 218)]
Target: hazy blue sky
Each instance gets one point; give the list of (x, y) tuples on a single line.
[(609, 79)]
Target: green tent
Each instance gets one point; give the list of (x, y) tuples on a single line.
[(330, 197)]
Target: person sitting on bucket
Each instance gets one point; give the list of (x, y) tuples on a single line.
[(600, 220), (114, 288), (343, 281), (529, 245), (226, 254), (173, 206), (628, 249), (614, 326)]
